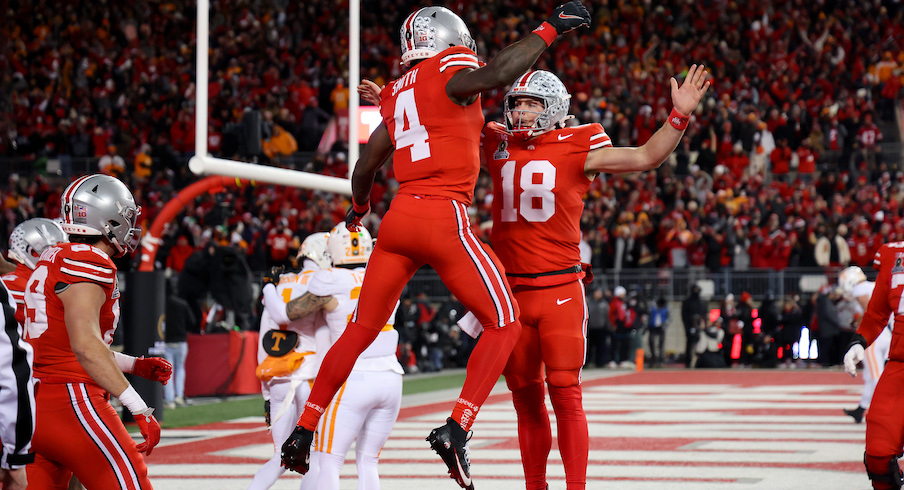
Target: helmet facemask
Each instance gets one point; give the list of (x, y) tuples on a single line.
[(542, 86), (30, 238)]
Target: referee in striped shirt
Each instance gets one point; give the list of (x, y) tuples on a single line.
[(17, 399)]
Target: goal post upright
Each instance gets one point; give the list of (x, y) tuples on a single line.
[(203, 164)]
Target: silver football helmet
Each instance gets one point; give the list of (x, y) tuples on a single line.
[(349, 247), (32, 237), (100, 205), (430, 30), (544, 86), (314, 247)]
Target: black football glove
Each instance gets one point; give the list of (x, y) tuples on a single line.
[(267, 412), (272, 276), (353, 219), (295, 453), (569, 16)]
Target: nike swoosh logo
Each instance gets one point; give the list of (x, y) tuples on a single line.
[(565, 136), (566, 17), (562, 301), (465, 479)]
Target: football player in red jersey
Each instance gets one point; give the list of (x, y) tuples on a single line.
[(541, 170), (432, 120), (885, 418), (27, 241), (72, 309)]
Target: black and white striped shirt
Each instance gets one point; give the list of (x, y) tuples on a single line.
[(17, 394)]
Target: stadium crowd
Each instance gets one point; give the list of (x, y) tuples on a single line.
[(781, 167)]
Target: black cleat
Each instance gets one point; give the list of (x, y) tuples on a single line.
[(856, 413), (296, 451), (451, 443)]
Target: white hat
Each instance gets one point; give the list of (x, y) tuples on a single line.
[(619, 291)]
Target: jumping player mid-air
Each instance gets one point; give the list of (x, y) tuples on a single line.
[(432, 120)]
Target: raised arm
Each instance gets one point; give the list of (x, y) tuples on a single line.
[(517, 58), (651, 155), (373, 156)]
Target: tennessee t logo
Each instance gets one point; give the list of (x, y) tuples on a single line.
[(277, 338)]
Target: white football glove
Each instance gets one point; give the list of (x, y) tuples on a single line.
[(853, 357)]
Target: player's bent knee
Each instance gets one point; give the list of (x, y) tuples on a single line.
[(563, 379), (884, 470)]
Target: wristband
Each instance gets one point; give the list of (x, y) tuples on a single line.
[(547, 32), (125, 362), (360, 208), (858, 340), (678, 120), (132, 400)]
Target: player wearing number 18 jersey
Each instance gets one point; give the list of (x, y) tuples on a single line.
[(431, 126), (540, 171)]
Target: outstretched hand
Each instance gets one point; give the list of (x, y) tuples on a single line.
[(686, 97), (370, 91)]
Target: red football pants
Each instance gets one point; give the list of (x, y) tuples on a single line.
[(437, 232), (553, 334), (418, 231), (885, 419), (77, 431)]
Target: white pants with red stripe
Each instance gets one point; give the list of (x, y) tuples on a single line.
[(873, 364), (77, 431), (282, 393), (364, 412)]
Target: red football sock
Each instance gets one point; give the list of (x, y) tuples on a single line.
[(572, 434), (484, 368), (334, 370), (878, 465), (534, 433)]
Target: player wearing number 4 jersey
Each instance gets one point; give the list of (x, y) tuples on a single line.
[(432, 120), (72, 308), (885, 418), (540, 170)]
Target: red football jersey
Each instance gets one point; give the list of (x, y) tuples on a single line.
[(538, 185), (15, 283), (887, 299), (436, 141), (45, 327)]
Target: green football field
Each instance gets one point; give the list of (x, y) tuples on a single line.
[(209, 410)]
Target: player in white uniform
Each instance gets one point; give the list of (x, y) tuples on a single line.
[(366, 407), (853, 281), (286, 353)]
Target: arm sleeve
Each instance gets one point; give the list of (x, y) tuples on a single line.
[(878, 310), (274, 305), (17, 396)]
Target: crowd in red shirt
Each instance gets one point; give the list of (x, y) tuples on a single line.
[(781, 152)]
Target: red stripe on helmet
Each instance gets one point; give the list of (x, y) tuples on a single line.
[(525, 79), (408, 24), (72, 188)]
